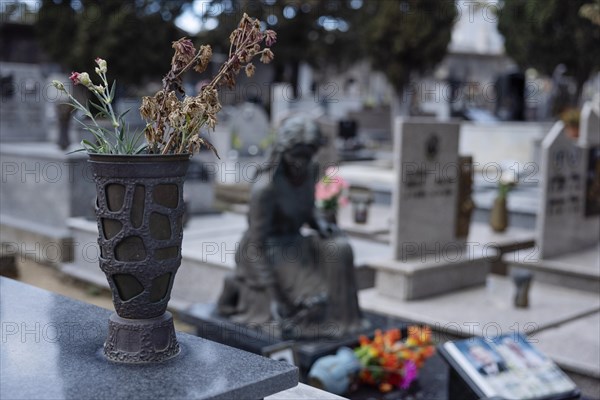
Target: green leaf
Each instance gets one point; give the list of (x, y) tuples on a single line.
[(98, 107), (112, 90), (76, 151), (140, 148)]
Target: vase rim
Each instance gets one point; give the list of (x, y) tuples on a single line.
[(139, 157)]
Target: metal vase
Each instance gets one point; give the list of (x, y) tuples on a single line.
[(140, 210)]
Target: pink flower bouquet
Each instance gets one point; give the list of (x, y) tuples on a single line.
[(330, 191)]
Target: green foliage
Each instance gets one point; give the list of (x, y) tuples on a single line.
[(113, 140), (409, 36), (545, 33), (134, 36)]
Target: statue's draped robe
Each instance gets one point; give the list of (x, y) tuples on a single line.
[(301, 266)]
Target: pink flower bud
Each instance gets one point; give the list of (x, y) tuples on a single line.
[(75, 78)]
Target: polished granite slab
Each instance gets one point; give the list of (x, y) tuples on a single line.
[(51, 349)]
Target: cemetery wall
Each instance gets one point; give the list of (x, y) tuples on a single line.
[(493, 143)]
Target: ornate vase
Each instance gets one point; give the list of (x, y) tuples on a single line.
[(499, 215), (140, 209)]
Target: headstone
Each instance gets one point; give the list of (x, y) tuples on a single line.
[(569, 177), (250, 129), (22, 97), (374, 123), (430, 252), (426, 190)]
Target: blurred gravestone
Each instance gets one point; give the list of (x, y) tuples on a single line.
[(427, 187), (250, 129), (569, 218), (589, 132), (22, 96), (430, 256)]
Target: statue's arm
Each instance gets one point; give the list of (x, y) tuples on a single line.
[(260, 224)]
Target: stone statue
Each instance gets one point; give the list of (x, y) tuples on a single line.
[(303, 283)]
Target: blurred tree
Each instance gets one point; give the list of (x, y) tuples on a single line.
[(400, 37), (591, 11), (134, 36), (406, 38), (546, 33), (322, 33)]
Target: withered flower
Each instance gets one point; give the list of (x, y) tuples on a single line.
[(184, 52), (174, 125), (267, 56), (271, 37), (204, 59), (250, 70)]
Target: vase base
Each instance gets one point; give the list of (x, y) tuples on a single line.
[(141, 341)]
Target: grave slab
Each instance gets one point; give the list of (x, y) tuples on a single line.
[(52, 349), (578, 270), (574, 345), (208, 256), (261, 338), (379, 223), (304, 392), (488, 310), (431, 274)]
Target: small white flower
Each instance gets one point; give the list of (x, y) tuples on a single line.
[(103, 66), (59, 85)]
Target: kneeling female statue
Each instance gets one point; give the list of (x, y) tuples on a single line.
[(300, 280)]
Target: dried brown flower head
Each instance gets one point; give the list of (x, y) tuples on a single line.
[(174, 125)]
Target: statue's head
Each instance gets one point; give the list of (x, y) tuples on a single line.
[(298, 141), (298, 130)]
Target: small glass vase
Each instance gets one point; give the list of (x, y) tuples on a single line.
[(499, 215), (329, 215)]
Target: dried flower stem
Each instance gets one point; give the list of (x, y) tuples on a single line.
[(174, 124)]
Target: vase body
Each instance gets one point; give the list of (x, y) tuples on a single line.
[(360, 211), (329, 215), (139, 210), (499, 215)]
